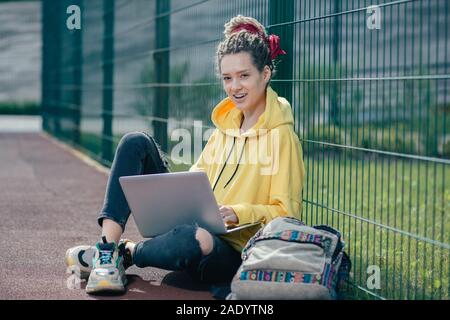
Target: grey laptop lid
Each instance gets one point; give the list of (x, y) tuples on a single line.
[(159, 202)]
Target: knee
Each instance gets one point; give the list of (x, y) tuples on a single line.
[(179, 249), (133, 138), (205, 240), (132, 141)]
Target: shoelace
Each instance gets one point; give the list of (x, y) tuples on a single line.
[(105, 256)]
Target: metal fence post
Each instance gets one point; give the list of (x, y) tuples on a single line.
[(78, 78), (279, 12), (56, 83), (46, 65), (334, 112), (162, 70), (108, 78)]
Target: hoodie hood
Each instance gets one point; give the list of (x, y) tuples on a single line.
[(226, 116)]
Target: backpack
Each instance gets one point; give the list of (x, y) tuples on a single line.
[(287, 259)]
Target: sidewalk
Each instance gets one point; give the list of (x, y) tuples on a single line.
[(12, 123), (49, 200)]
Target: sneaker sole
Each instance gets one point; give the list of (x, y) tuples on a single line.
[(105, 286)]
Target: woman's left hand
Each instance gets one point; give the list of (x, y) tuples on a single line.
[(229, 217)]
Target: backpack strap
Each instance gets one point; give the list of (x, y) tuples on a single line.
[(340, 244)]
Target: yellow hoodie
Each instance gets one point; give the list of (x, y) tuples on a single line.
[(258, 173)]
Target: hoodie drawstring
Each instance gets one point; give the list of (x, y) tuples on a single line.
[(237, 167), (226, 161)]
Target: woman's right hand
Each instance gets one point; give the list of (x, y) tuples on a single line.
[(228, 215)]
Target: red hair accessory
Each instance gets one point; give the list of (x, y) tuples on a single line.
[(275, 50), (274, 40), (250, 28)]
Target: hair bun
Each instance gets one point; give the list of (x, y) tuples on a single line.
[(236, 22)]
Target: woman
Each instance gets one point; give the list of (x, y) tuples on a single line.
[(253, 161)]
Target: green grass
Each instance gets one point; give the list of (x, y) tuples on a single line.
[(19, 108), (410, 196), (363, 198)]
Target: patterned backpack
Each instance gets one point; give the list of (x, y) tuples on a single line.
[(288, 260)]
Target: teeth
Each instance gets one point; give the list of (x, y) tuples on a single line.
[(239, 96)]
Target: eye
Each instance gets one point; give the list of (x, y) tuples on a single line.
[(225, 78), (244, 75)]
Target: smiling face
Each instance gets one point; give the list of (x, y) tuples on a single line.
[(244, 84)]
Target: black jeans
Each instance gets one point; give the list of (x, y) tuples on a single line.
[(178, 249)]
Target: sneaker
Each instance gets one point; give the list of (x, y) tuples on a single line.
[(108, 272), (79, 259), (125, 253)]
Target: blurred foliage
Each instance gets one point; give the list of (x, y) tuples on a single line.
[(399, 139), (446, 149), (191, 97), (20, 108), (367, 115), (19, 1), (313, 93)]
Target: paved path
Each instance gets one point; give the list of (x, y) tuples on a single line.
[(49, 200), (11, 123)]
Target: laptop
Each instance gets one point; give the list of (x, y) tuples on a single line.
[(159, 202)]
